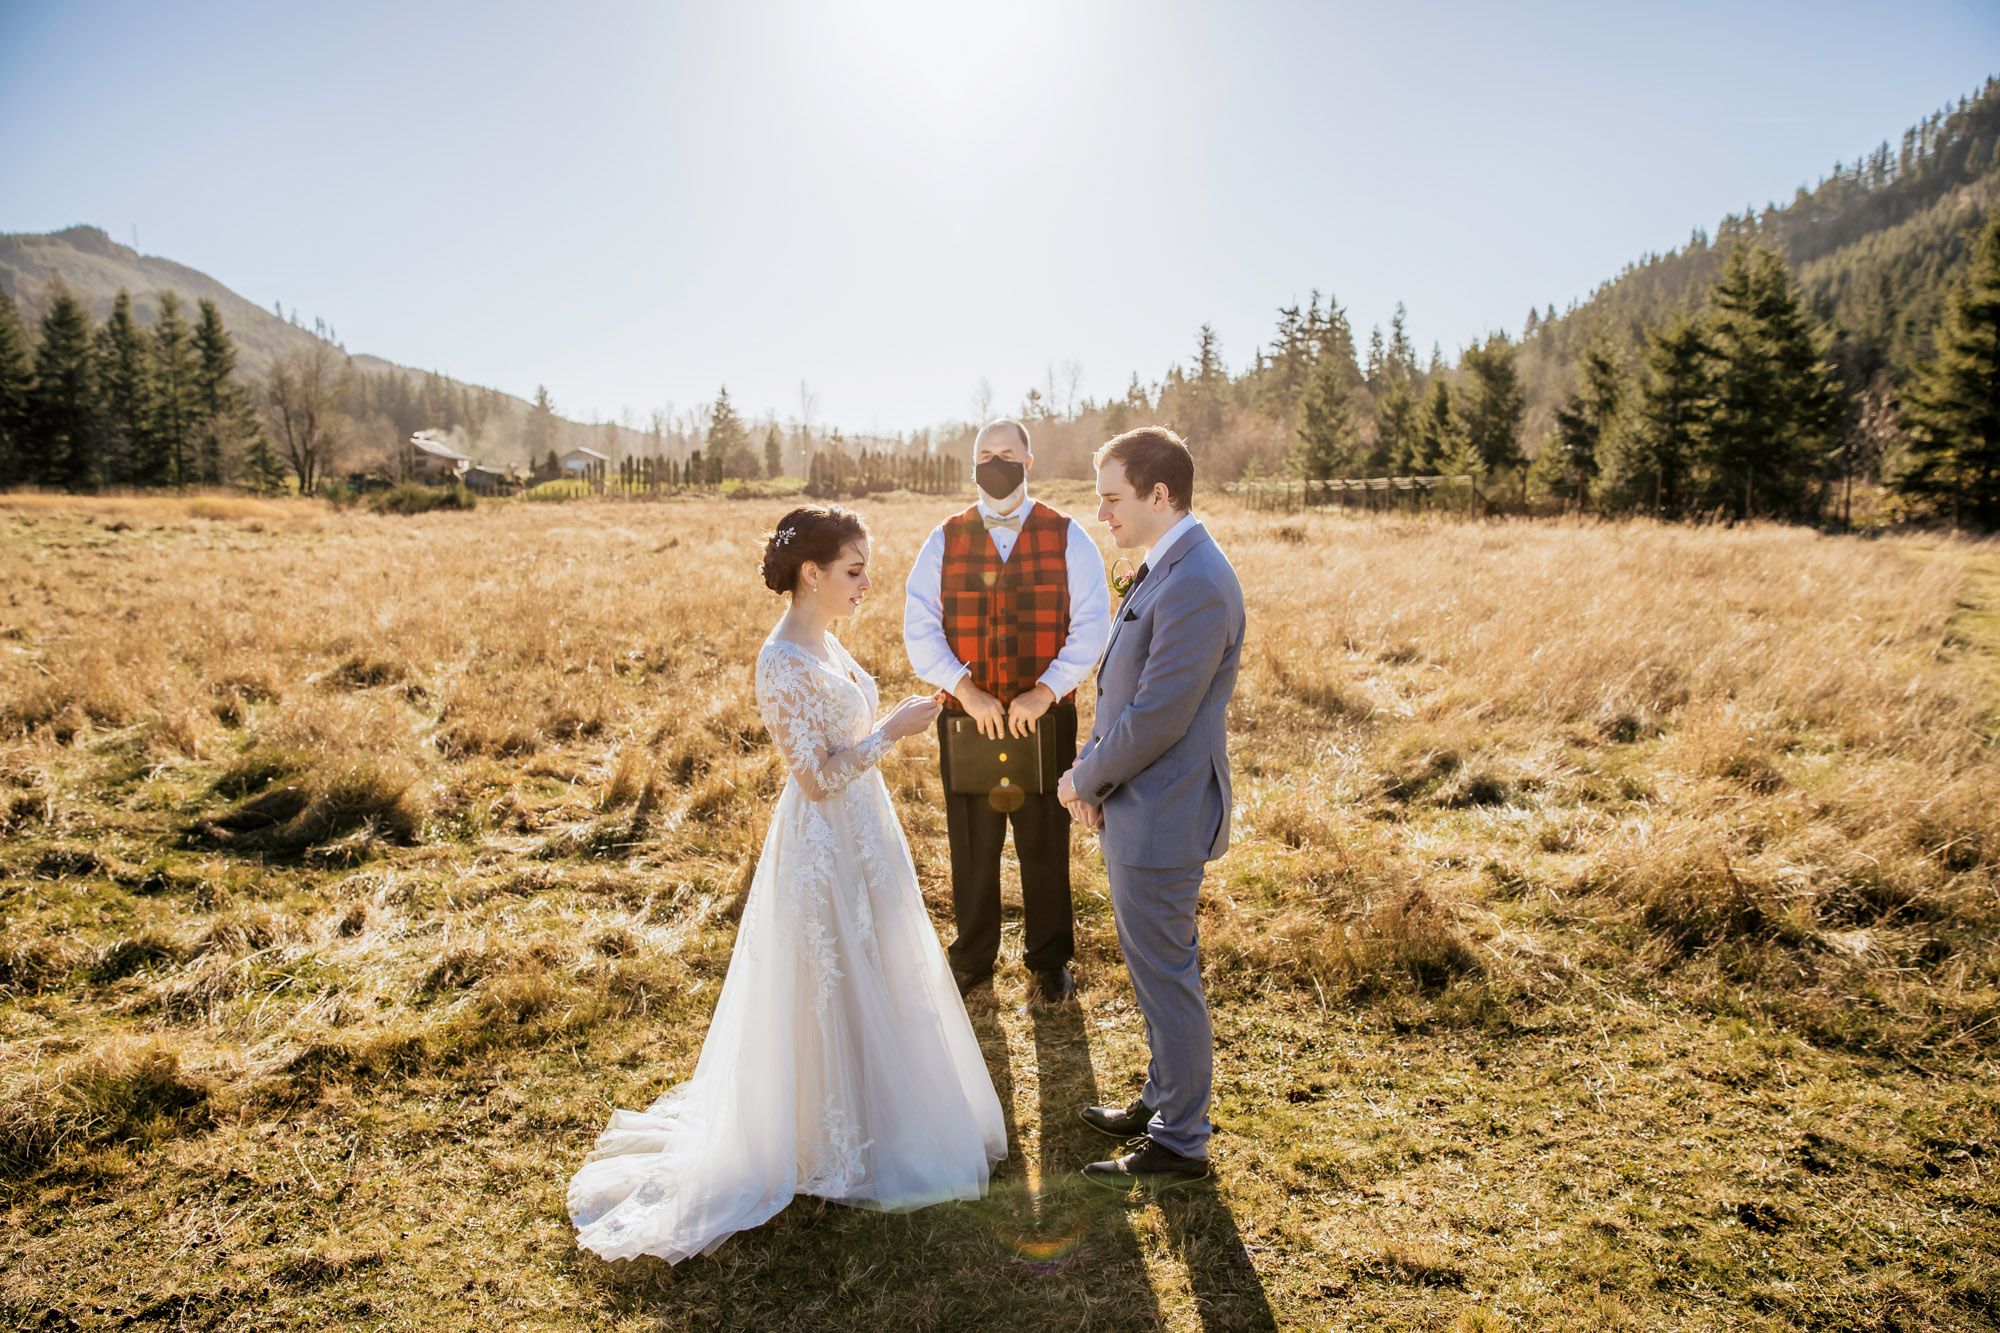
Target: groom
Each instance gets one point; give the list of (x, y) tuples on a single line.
[(1154, 778)]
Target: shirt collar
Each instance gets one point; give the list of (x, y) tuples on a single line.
[(1167, 543), (1020, 510)]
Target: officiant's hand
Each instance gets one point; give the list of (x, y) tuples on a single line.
[(1028, 708), (910, 716), (988, 713)]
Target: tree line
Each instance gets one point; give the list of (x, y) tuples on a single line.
[(124, 405)]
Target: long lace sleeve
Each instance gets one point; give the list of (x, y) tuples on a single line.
[(794, 700)]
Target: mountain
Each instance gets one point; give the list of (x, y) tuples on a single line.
[(388, 402), (1875, 245), (94, 267)]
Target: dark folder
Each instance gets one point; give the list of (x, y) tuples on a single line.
[(976, 766)]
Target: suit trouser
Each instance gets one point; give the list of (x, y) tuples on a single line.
[(1155, 914), (977, 833)]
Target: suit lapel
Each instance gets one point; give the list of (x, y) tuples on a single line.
[(1151, 587)]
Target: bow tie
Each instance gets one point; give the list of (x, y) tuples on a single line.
[(1011, 522)]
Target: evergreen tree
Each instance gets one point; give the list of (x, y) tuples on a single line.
[(128, 455), (1442, 446), (1649, 465), (1401, 358), (729, 451), (1207, 393), (228, 425), (538, 432), (1586, 421), (62, 421), (1774, 404), (263, 473), (1283, 381), (1325, 440), (16, 376), (774, 452), (1396, 435), (177, 415), (1492, 404), (1952, 407)]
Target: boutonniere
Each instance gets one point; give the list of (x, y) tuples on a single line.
[(1121, 582)]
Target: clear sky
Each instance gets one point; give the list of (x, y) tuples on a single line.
[(893, 199)]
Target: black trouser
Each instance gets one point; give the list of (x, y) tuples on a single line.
[(977, 832)]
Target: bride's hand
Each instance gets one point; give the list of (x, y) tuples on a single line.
[(910, 716)]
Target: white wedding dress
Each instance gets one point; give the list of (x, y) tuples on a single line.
[(840, 1062)]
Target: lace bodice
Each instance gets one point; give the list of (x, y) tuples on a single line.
[(821, 714)]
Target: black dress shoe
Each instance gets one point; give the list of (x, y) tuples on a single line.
[(1124, 1123), (968, 980), (1150, 1165), (1055, 985)]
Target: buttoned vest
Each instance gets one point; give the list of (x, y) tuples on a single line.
[(1006, 620)]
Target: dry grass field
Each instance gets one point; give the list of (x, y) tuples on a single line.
[(1609, 941)]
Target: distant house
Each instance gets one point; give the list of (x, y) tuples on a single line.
[(431, 460), (580, 462), (491, 479)]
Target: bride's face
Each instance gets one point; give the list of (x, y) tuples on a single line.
[(841, 585)]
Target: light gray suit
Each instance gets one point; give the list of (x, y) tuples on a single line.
[(1158, 763)]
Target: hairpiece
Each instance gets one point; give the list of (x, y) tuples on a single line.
[(783, 536)]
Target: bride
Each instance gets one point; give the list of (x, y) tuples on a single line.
[(840, 1062)]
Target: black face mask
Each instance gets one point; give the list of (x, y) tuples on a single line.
[(1000, 477)]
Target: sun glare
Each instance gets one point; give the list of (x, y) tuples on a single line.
[(960, 68)]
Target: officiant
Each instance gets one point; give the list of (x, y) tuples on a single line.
[(1006, 612)]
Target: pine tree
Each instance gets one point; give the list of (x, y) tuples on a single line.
[(177, 415), (227, 424), (1586, 421), (61, 416), (1396, 434), (538, 432), (1442, 446), (1649, 465), (1774, 403), (1208, 393), (1402, 357), (1952, 406), (729, 451), (263, 473), (16, 376), (125, 389), (1325, 439), (1492, 404), (1284, 378), (774, 452)]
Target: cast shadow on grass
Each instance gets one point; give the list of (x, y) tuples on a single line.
[(1227, 1292), (1063, 1256)]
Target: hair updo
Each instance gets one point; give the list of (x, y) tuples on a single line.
[(811, 532)]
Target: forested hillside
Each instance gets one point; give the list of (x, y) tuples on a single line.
[(382, 403), (1763, 371), (1875, 246)]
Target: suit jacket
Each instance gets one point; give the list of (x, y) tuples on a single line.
[(1157, 759)]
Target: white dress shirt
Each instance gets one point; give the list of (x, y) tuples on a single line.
[(1166, 543), (1089, 609)]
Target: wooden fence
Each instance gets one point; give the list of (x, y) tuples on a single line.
[(1355, 493)]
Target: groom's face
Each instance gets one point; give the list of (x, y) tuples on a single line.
[(1135, 520)]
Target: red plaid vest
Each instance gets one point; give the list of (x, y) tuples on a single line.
[(1006, 620)]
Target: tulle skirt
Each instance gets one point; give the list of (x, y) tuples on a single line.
[(840, 1062)]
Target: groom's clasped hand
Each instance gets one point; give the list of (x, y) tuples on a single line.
[(840, 1061)]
